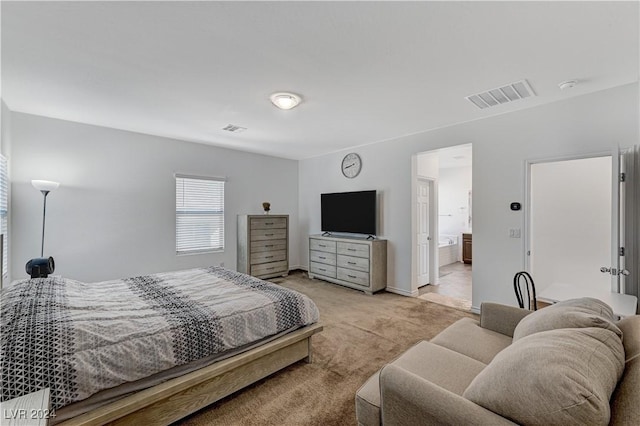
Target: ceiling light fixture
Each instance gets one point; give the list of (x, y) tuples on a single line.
[(284, 100), (569, 84)]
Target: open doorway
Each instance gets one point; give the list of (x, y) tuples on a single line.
[(442, 226)]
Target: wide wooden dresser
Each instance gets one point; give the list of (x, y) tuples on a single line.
[(353, 262), (263, 245)]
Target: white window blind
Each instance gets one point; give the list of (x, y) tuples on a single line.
[(199, 214), (4, 211)]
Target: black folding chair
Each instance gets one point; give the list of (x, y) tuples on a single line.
[(529, 285)]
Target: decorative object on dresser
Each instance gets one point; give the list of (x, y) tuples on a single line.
[(266, 206), (353, 262), (263, 245)]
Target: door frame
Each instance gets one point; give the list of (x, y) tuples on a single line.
[(526, 241)]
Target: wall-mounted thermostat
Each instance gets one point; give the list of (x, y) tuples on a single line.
[(516, 206)]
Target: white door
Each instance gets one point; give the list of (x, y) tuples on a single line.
[(575, 223), (424, 236)]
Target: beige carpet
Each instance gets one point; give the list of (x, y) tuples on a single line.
[(361, 334)]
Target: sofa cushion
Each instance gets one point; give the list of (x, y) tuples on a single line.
[(560, 377), (468, 338), (448, 369), (573, 313), (625, 403), (630, 328)]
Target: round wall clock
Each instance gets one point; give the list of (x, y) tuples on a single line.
[(351, 165)]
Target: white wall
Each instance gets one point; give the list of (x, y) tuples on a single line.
[(114, 213), (501, 145), (453, 200), (571, 222), (428, 165)]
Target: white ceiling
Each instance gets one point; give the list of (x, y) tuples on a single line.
[(367, 71)]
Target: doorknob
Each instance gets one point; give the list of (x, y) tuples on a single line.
[(428, 238), (604, 269), (624, 272)]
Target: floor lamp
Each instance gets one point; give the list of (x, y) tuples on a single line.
[(44, 186)]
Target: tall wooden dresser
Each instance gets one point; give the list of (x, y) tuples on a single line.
[(263, 245)]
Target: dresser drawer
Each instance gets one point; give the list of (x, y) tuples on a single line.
[(268, 245), (322, 257), (268, 234), (268, 268), (268, 256), (322, 269), (268, 223), (353, 249), (351, 262), (322, 245), (354, 277)]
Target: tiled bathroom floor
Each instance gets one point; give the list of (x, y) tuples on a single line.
[(454, 288)]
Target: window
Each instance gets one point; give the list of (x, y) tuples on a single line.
[(199, 214), (4, 212)]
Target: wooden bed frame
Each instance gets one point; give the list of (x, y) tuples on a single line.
[(177, 398)]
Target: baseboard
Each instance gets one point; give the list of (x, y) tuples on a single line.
[(475, 310), (402, 292), (293, 268)]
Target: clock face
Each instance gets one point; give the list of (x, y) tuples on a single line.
[(351, 165)]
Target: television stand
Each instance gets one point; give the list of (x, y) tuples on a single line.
[(359, 263)]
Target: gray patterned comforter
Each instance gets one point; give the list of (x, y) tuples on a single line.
[(77, 338)]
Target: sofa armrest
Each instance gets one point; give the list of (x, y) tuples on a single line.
[(502, 319), (408, 399)]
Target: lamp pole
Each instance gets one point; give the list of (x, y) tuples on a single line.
[(44, 186), (44, 217)]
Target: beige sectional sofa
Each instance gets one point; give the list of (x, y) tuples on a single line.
[(570, 363)]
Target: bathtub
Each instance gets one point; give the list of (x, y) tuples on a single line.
[(448, 249)]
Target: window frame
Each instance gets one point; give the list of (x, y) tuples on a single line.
[(4, 217), (194, 251)]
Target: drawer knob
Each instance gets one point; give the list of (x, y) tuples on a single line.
[(268, 257), (321, 257), (322, 269), (268, 235), (268, 223), (351, 263), (351, 249), (268, 245), (351, 276), (321, 245)]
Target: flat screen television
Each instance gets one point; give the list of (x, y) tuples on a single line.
[(351, 212)]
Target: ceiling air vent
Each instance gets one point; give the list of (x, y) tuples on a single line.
[(502, 95), (234, 129)]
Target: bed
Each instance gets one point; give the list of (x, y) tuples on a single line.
[(149, 349)]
